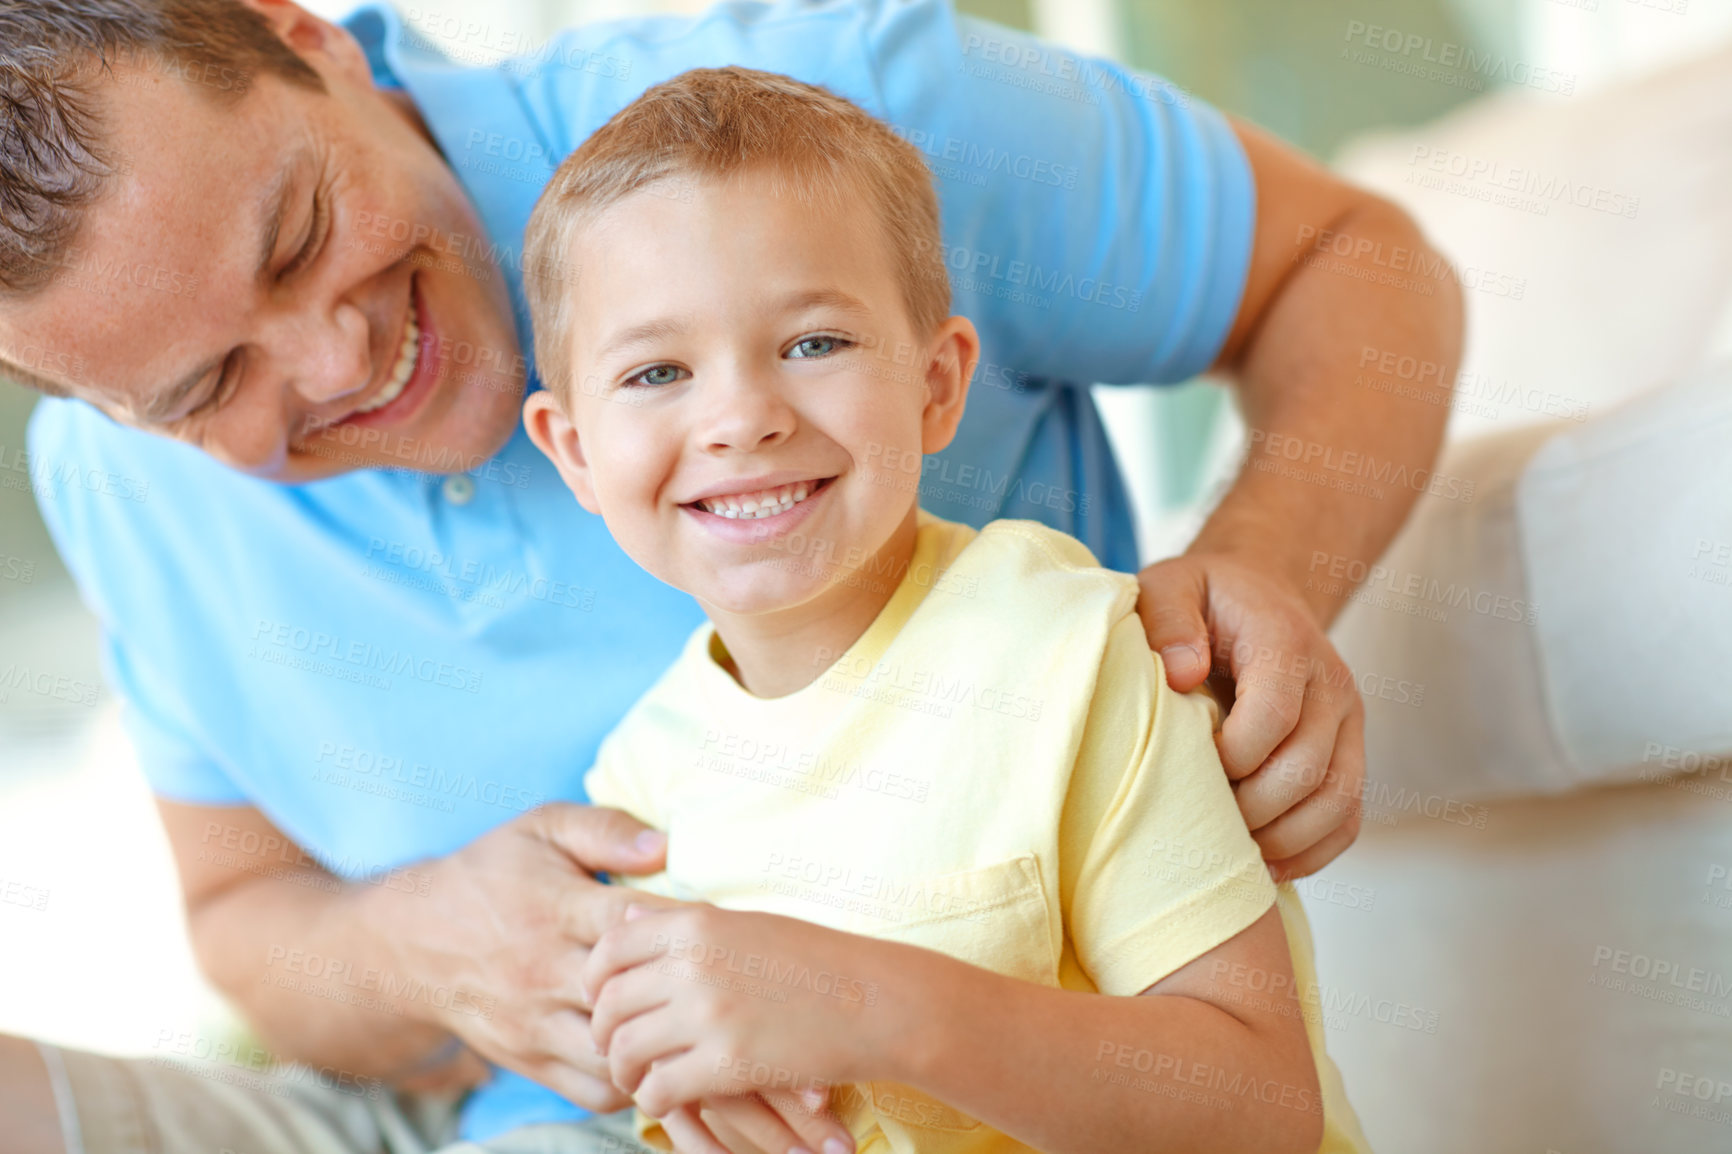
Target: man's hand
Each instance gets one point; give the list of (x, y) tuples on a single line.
[(511, 922), (505, 927), (1293, 742), (1240, 602), (767, 1122)]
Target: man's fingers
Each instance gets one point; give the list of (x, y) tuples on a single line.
[(597, 838), (747, 1117), (811, 1119), (1334, 812), (588, 1091), (1331, 806), (1299, 828), (1310, 861), (689, 1133), (589, 909), (1294, 771), (1171, 604), (1267, 705), (745, 1123), (567, 1038)]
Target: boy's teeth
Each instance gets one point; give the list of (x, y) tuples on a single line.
[(753, 506), (408, 356)]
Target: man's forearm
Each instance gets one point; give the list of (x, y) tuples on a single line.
[(1344, 386), (307, 959)]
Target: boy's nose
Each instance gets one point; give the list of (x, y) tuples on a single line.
[(745, 415)]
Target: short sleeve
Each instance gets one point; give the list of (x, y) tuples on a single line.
[(616, 781), (1156, 867), (173, 761), (1097, 220)]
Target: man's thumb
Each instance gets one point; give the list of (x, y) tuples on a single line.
[(1171, 607), (597, 838)]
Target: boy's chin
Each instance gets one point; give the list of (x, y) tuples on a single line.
[(752, 596)]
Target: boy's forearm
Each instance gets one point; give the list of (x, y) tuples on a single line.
[(1066, 1071)]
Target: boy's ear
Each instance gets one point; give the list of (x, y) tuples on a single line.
[(555, 435), (949, 368)]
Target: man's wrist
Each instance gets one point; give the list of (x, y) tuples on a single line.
[(385, 925), (1279, 553)]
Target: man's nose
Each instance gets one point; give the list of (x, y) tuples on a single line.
[(745, 410), (330, 361)]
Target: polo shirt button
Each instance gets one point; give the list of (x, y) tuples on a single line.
[(459, 488)]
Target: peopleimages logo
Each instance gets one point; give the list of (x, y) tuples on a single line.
[(1542, 188), (1447, 61), (362, 656)]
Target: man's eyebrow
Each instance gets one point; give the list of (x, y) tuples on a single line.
[(274, 202)]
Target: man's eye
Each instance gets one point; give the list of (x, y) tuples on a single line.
[(309, 250), (821, 346), (656, 375), (224, 388)]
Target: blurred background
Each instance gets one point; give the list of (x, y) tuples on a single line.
[(71, 805)]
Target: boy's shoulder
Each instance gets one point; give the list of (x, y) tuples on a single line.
[(1014, 563)]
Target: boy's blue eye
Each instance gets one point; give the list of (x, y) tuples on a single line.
[(817, 346), (657, 375)]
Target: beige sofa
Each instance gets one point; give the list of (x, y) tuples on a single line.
[(1531, 947)]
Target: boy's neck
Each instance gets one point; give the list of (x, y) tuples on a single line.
[(775, 654)]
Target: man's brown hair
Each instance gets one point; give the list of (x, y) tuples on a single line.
[(54, 160), (713, 123)]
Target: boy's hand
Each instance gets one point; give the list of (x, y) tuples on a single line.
[(1293, 741), (695, 1003)]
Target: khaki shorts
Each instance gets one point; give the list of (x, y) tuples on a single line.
[(145, 1106)]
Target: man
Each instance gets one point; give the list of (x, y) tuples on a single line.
[(289, 248)]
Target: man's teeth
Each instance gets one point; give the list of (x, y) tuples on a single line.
[(764, 503), (408, 356)]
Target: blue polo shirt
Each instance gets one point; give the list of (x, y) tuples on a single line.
[(388, 664)]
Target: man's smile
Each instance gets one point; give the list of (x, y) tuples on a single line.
[(411, 376)]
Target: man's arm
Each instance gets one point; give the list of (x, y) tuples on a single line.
[(412, 978), (1337, 275), (377, 980), (1339, 279)]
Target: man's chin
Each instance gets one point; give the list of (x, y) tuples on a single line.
[(458, 443), (385, 449)]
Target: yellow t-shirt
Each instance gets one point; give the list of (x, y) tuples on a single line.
[(996, 770)]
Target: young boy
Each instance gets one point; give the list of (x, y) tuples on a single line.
[(967, 859)]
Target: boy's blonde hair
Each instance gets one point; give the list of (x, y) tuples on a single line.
[(713, 123)]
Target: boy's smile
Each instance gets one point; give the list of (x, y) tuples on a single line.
[(771, 506), (743, 364)]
